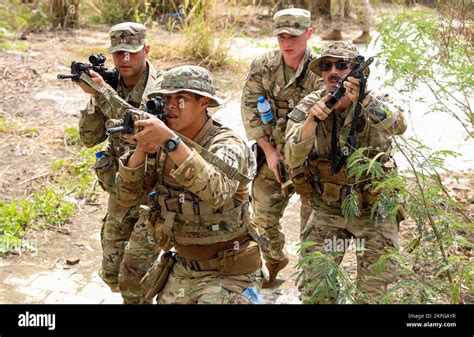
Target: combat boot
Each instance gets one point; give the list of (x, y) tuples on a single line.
[(273, 269), (334, 35), (363, 38)]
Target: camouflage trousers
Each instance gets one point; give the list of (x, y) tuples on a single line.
[(141, 252), (360, 8), (268, 205), (127, 253), (332, 235), (187, 286)]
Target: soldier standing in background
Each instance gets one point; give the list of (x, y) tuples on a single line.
[(361, 8), (283, 78), (137, 78)]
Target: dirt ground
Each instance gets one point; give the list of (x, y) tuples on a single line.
[(32, 97)]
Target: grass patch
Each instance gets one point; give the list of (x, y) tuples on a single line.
[(14, 45), (72, 135), (3, 125), (205, 34), (7, 126), (73, 178), (45, 208)]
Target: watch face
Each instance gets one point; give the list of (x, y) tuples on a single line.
[(171, 145)]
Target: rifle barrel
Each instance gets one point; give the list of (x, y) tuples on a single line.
[(66, 76)]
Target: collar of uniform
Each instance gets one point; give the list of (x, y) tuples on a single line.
[(200, 135), (306, 56), (136, 94), (275, 59), (151, 71)]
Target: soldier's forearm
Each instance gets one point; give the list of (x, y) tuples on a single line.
[(181, 154), (309, 128), (266, 146), (137, 158)]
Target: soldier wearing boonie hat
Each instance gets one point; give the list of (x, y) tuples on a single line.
[(339, 49), (122, 268), (202, 198), (193, 79), (283, 78), (318, 141)]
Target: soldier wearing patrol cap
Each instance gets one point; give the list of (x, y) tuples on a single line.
[(283, 78), (137, 78), (196, 173), (316, 139)]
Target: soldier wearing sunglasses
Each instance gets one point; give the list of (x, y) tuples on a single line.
[(315, 137)]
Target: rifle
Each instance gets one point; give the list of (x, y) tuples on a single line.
[(97, 61), (358, 67), (358, 71), (154, 106)]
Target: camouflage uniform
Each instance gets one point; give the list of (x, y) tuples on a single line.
[(378, 124), (199, 209), (361, 8), (119, 220), (269, 77)]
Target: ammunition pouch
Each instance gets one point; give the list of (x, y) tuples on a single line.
[(245, 260), (241, 260), (106, 170), (155, 279), (300, 177)]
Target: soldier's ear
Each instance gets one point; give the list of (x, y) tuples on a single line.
[(204, 102), (147, 49), (309, 32)]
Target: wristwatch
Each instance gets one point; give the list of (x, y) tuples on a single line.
[(171, 144)]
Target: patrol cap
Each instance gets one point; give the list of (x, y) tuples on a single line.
[(127, 36), (190, 78), (340, 49), (294, 21)]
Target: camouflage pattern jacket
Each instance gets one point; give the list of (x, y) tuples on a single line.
[(379, 122), (267, 78), (197, 203), (99, 110)]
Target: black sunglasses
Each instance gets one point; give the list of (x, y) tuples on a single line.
[(340, 65)]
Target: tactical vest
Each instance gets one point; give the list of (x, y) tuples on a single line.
[(284, 99), (188, 220), (315, 178)]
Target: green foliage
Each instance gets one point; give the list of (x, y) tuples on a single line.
[(431, 49), (44, 208), (3, 125), (205, 35), (350, 209), (73, 178), (72, 135), (76, 174), (14, 45), (112, 12), (17, 16), (329, 282), (418, 193)]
